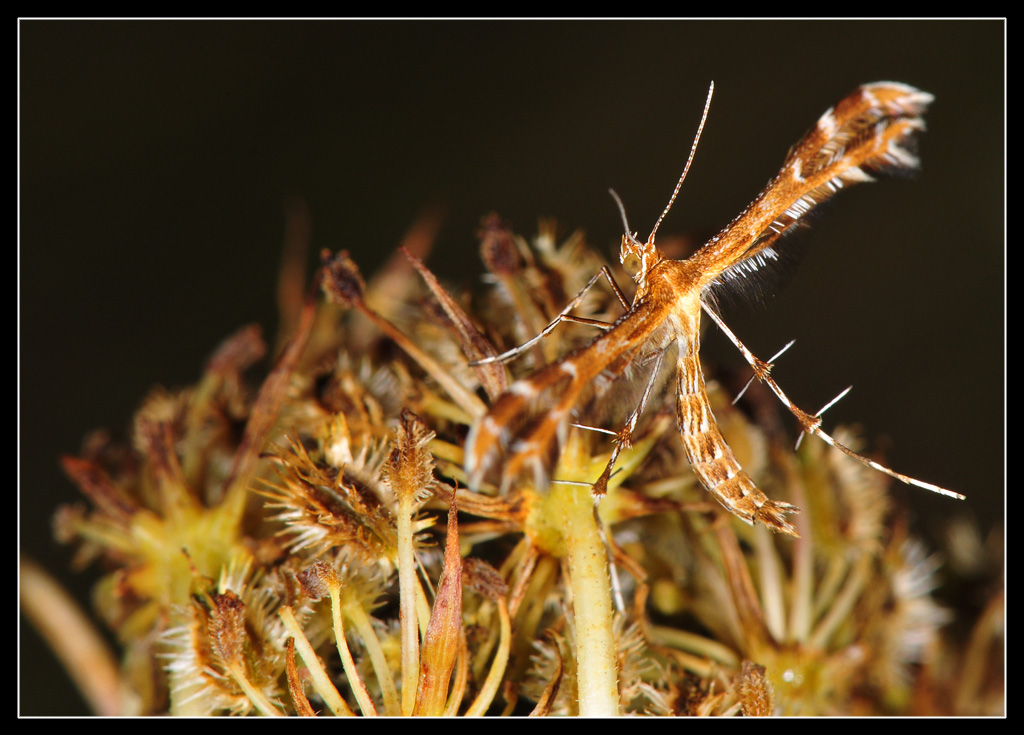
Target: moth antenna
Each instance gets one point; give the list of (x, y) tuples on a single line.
[(622, 212), (693, 150)]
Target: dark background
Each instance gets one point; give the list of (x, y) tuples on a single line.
[(156, 158)]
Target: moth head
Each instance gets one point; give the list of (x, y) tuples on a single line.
[(637, 257)]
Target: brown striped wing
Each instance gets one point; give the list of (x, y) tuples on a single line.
[(871, 131), (524, 423)]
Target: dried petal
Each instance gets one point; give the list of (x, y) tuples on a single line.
[(441, 644)]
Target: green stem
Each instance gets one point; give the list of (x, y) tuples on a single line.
[(257, 697), (321, 682), (596, 665), (355, 681), (497, 672), (845, 600), (410, 632), (364, 627)]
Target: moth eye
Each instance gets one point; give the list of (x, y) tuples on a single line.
[(631, 264)]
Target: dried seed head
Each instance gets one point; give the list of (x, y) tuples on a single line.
[(342, 282), (481, 577), (755, 691), (410, 466), (238, 352), (227, 627), (318, 580), (497, 247)]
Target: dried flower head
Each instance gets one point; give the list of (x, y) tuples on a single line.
[(311, 547)]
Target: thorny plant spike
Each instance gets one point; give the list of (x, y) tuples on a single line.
[(870, 131)]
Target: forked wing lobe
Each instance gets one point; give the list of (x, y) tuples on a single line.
[(871, 131)]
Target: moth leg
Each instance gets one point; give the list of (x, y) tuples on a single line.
[(624, 438), (771, 361), (564, 316), (811, 424)]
